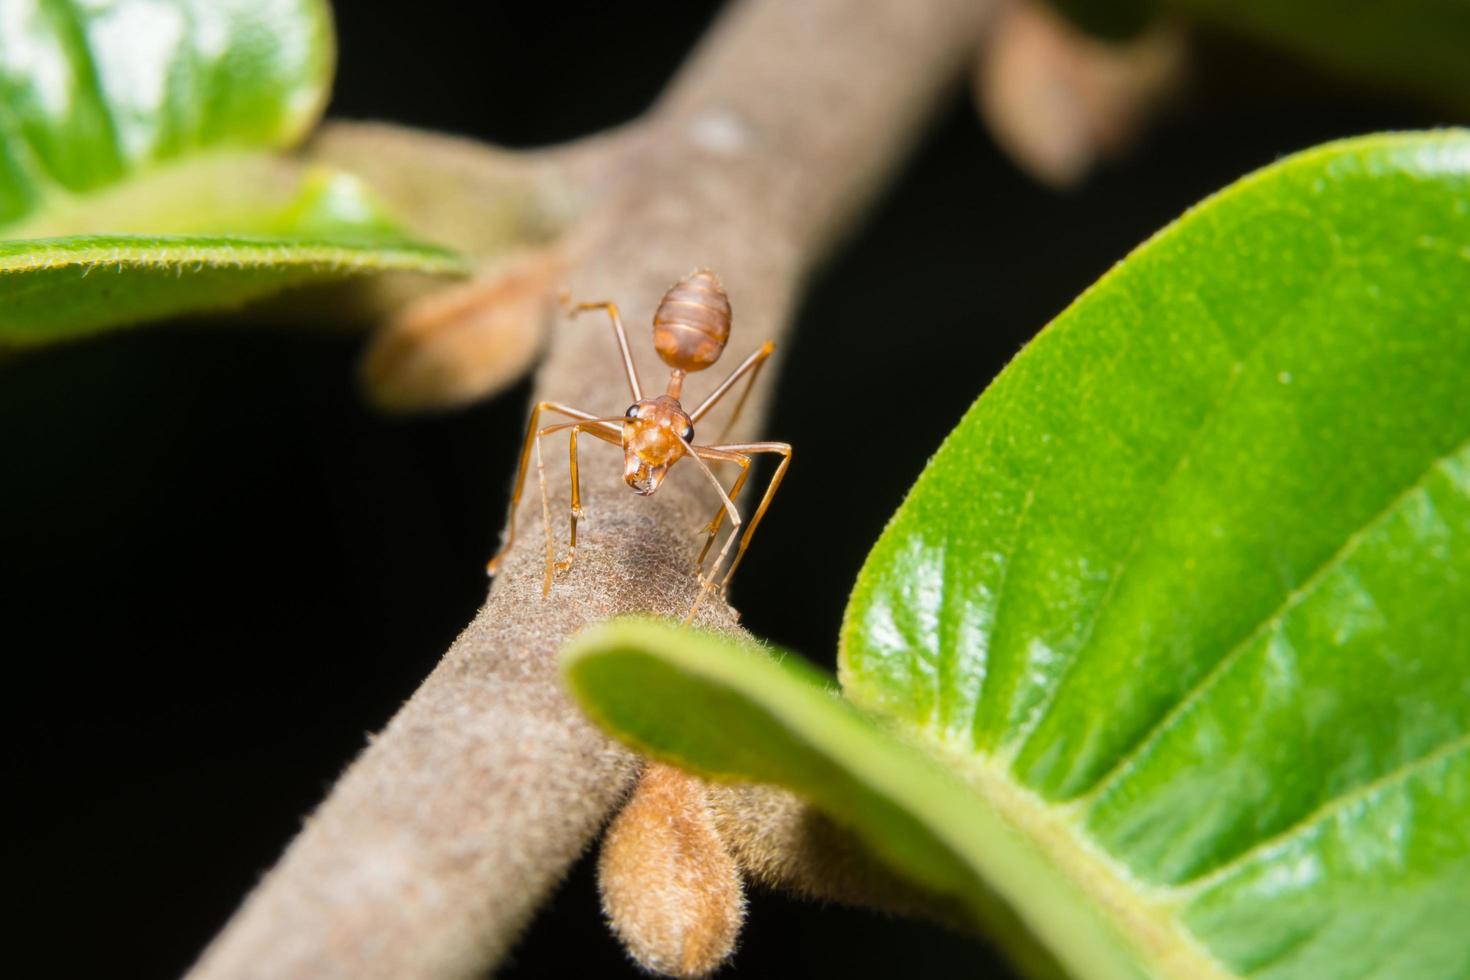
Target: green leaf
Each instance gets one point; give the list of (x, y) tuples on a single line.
[(729, 711), (1418, 46), (1195, 570), (138, 174), (1184, 601), (1115, 20), (54, 288)]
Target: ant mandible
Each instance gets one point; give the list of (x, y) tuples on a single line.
[(690, 329)]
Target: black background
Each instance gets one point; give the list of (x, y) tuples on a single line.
[(219, 570)]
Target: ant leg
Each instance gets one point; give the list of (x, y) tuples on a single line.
[(622, 337), (563, 566), (515, 498), (576, 511), (597, 427), (713, 528), (545, 519), (755, 370), (752, 366), (784, 450), (706, 585)]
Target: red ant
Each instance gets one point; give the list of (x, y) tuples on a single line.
[(690, 329)]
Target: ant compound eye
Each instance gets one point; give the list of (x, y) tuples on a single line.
[(688, 433), (632, 412)]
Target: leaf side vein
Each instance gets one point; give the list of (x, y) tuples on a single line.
[(1326, 811), (1294, 598)]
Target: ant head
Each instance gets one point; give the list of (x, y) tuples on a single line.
[(654, 436)]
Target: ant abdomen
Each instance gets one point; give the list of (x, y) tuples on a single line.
[(692, 322)]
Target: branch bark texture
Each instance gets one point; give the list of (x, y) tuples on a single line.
[(439, 842)]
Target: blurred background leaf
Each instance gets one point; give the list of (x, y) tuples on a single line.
[(1416, 46), (125, 122)]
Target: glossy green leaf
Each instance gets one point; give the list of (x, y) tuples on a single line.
[(1195, 570), (137, 175), (1185, 598)]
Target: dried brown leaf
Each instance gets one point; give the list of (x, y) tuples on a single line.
[(463, 343)]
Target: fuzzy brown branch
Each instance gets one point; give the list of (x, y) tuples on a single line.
[(439, 842)]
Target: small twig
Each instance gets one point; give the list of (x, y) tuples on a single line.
[(440, 841)]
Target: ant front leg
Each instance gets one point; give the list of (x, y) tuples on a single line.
[(784, 450), (706, 585), (595, 429), (603, 429), (545, 516), (576, 510), (713, 528), (493, 565)]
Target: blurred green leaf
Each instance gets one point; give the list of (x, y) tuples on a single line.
[(1416, 46), (1185, 598), (138, 167), (1419, 46), (1110, 19), (54, 288), (93, 92)]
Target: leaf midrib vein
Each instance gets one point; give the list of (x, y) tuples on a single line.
[(1144, 914), (1237, 369), (1325, 278)]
